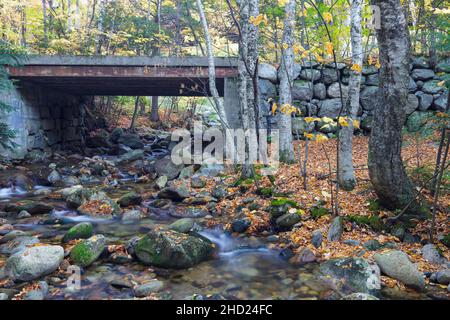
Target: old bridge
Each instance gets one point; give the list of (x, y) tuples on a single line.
[(52, 91)]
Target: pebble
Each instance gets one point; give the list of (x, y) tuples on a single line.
[(143, 290), (3, 296)]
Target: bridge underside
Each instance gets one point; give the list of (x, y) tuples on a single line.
[(124, 76)]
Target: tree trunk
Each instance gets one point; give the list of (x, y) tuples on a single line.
[(286, 82), (386, 169), (23, 28), (135, 113), (69, 15), (44, 21), (155, 52), (346, 174), (155, 109)]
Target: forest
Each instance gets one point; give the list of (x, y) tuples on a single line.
[(224, 150)]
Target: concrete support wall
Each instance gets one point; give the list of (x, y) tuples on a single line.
[(43, 120), (231, 103)]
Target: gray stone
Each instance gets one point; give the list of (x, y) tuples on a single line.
[(396, 264), (373, 80), (369, 97), (308, 74), (329, 76), (32, 207), (131, 140), (3, 296), (131, 215), (320, 91), (174, 193), (18, 244), (267, 89), (422, 74), (210, 170), (335, 230), (425, 100), (443, 276), (420, 62), (302, 91), (430, 253), (440, 103), (417, 121), (161, 182), (355, 274), (34, 262), (316, 238), (165, 167), (240, 225), (287, 220), (299, 125), (158, 248), (82, 230), (432, 87), (267, 71), (412, 86), (186, 172), (130, 199), (146, 289), (329, 108), (411, 104), (23, 214), (368, 70), (334, 91), (183, 225)]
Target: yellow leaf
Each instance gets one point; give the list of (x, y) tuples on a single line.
[(327, 120), (357, 68), (321, 138), (329, 48), (308, 135), (356, 124), (274, 108), (285, 46), (328, 17), (309, 119), (441, 84), (343, 121), (377, 64)]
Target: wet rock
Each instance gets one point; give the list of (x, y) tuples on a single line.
[(240, 225), (131, 215), (38, 294), (34, 262), (32, 207), (93, 203), (86, 252), (396, 264), (355, 274), (130, 140), (286, 254), (18, 244), (131, 156), (335, 230), (23, 214), (197, 182), (183, 225), (65, 192), (304, 256), (54, 177), (174, 193), (359, 296), (130, 199), (165, 167), (146, 289), (287, 220), (189, 212), (170, 249), (430, 253), (161, 182), (316, 238), (82, 230)]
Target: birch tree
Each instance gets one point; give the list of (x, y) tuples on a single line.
[(386, 169), (286, 79), (347, 173)]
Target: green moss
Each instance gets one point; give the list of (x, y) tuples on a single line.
[(265, 192), (373, 221), (283, 201), (374, 205), (318, 211), (80, 231), (81, 254)]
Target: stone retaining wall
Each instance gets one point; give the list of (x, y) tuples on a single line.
[(316, 92)]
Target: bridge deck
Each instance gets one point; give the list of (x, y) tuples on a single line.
[(112, 75)]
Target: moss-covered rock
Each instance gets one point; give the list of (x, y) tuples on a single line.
[(280, 206), (130, 199), (372, 221), (86, 252), (171, 249), (446, 240), (32, 207), (318, 211), (82, 230)]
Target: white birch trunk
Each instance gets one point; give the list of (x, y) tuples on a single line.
[(286, 81), (346, 174)]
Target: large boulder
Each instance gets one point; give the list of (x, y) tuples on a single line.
[(412, 104), (369, 97), (373, 80), (353, 274), (165, 167), (267, 71), (302, 90), (131, 140), (130, 199), (86, 252), (320, 91), (425, 100), (329, 76), (329, 108), (82, 230), (422, 74), (396, 264), (98, 140), (170, 249), (335, 230), (310, 74), (34, 262), (334, 91), (93, 203), (174, 193), (32, 207), (418, 120), (440, 103), (432, 255), (420, 63), (432, 87)]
